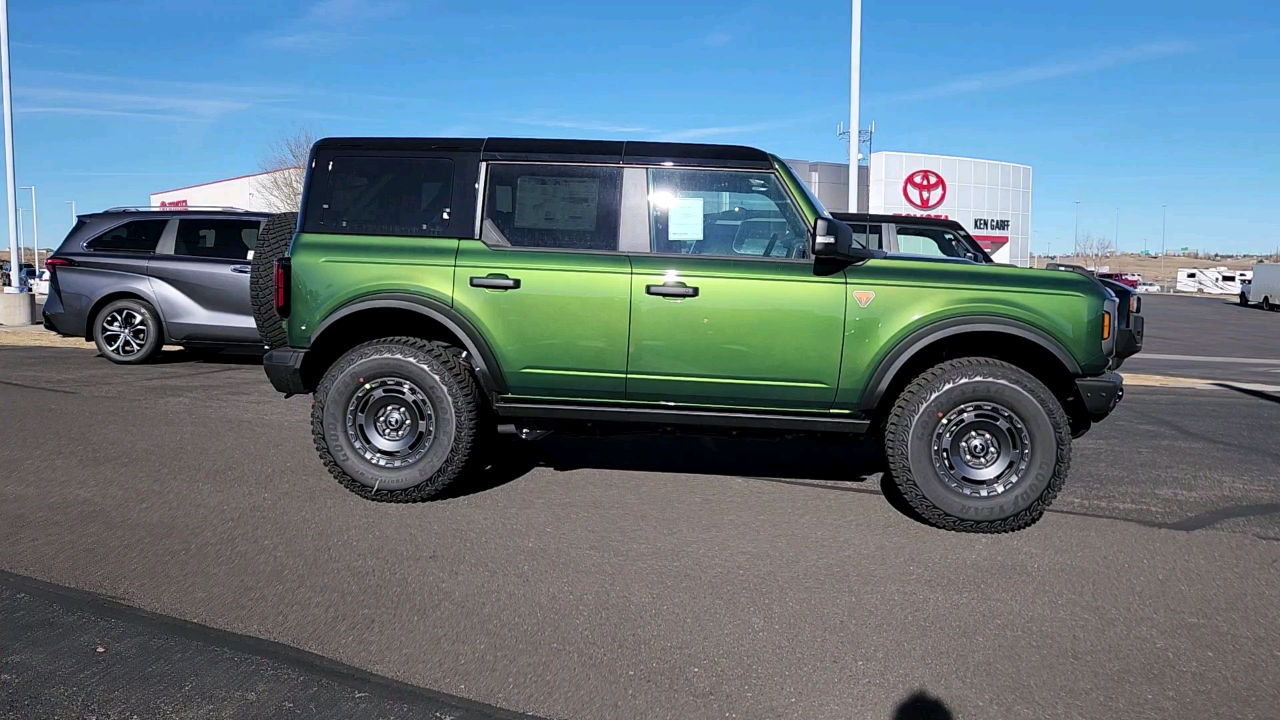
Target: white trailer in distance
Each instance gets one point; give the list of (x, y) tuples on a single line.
[(1213, 281)]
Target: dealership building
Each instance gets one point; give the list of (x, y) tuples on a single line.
[(991, 199), (247, 192)]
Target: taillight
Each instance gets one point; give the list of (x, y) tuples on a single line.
[(1135, 304), (53, 263), (283, 277)]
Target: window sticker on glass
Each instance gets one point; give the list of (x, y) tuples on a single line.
[(684, 219), (557, 203)]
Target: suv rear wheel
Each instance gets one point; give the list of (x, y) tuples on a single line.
[(127, 332), (273, 243), (396, 419), (978, 445)]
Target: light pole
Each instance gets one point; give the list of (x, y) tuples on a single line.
[(10, 175), (35, 227), (1164, 224), (1077, 240), (1117, 232), (855, 97), (72, 203)]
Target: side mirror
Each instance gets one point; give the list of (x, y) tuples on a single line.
[(834, 239)]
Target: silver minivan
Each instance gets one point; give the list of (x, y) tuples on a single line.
[(135, 279)]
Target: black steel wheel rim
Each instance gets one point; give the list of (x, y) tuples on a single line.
[(390, 422), (125, 332), (981, 449)]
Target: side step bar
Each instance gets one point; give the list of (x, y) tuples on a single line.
[(660, 416)]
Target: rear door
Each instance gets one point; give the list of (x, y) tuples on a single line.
[(726, 309), (200, 277), (546, 284)]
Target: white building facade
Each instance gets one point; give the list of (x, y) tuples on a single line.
[(991, 199), (245, 192)]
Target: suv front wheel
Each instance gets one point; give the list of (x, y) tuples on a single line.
[(978, 445), (395, 420)]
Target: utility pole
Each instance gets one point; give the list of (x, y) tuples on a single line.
[(1117, 232), (10, 175), (35, 227), (72, 203), (855, 97)]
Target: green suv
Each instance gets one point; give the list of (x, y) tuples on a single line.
[(434, 290)]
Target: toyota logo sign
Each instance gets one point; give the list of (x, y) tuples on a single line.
[(924, 189)]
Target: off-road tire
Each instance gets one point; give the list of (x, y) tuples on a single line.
[(455, 401), (1244, 300), (104, 338), (917, 415), (273, 243)]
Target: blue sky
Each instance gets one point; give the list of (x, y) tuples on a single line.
[(1116, 104)]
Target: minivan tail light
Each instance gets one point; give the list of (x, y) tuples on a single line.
[(56, 262), (283, 278)]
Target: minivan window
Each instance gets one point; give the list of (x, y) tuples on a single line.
[(389, 196), (212, 238), (570, 207), (137, 236), (725, 213)]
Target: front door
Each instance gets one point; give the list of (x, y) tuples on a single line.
[(546, 284), (200, 277), (727, 309)]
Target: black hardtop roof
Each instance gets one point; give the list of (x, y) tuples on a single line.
[(619, 152), (145, 212), (913, 219)]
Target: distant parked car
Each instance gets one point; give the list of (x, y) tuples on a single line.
[(1131, 280), (134, 279), (42, 283), (1147, 287)]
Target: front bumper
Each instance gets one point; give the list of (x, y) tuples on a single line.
[(284, 370), (1101, 394)]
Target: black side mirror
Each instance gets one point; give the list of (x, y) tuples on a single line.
[(834, 239)]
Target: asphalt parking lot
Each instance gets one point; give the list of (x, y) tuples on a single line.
[(646, 576)]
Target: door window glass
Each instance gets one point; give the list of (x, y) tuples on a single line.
[(139, 236), (571, 207), (214, 238), (930, 242), (724, 213), (867, 235), (389, 196)]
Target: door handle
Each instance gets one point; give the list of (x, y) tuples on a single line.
[(242, 269), (496, 282), (676, 289)]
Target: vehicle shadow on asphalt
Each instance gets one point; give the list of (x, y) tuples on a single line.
[(836, 463), (178, 356)]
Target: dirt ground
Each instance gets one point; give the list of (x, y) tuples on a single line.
[(1150, 268)]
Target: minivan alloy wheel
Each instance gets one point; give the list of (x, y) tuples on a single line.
[(125, 331)]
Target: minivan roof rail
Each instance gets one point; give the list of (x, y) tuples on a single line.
[(166, 208)]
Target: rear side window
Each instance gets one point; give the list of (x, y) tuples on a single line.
[(212, 238), (389, 196), (571, 207), (930, 242), (138, 236)]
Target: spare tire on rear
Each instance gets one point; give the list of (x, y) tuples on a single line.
[(273, 243)]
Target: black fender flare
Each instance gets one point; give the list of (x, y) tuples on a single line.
[(478, 351), (907, 348)]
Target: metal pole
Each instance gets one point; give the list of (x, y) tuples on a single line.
[(1117, 232), (10, 175), (35, 230), (72, 203), (855, 97), (1077, 225), (1164, 224)]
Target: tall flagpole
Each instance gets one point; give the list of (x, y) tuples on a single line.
[(15, 261)]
